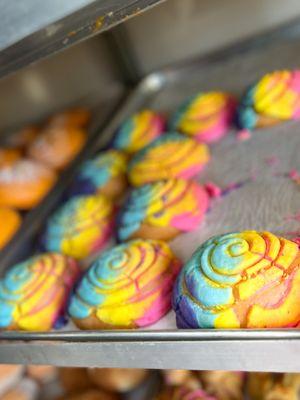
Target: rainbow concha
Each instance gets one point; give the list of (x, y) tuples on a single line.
[(170, 156), (275, 96), (170, 203), (205, 116), (138, 131), (245, 279), (81, 227), (128, 286), (34, 293)]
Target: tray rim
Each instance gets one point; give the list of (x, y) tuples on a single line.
[(172, 335)]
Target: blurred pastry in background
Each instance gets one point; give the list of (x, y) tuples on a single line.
[(34, 293), (162, 210), (206, 117), (272, 99), (57, 146), (183, 393), (270, 386), (26, 389), (9, 155), (91, 394), (81, 227), (10, 222), (178, 377), (105, 173), (225, 385), (10, 375), (118, 379), (138, 131), (74, 380), (77, 117), (25, 183), (22, 138), (281, 392), (285, 387), (42, 374), (293, 380), (257, 383), (170, 156)]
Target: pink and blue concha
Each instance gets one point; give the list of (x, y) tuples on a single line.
[(128, 286), (175, 203), (245, 279)]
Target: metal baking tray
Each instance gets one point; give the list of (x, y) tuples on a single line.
[(146, 390), (266, 199), (30, 33), (22, 242)]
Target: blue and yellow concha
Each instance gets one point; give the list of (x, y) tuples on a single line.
[(244, 279), (273, 98)]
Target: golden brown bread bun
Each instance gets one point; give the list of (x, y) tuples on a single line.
[(12, 223), (57, 146), (41, 373), (178, 377), (25, 183), (183, 393), (117, 379), (24, 390), (258, 383), (9, 376), (74, 379), (225, 385), (92, 394), (8, 156), (76, 117), (281, 392), (268, 386)]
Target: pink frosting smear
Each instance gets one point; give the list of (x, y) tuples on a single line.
[(243, 135), (213, 190)]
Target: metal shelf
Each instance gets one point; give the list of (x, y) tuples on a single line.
[(33, 29), (206, 349), (164, 346)]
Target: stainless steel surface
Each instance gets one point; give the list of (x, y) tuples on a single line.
[(153, 335), (73, 76), (33, 29), (199, 27), (266, 200), (251, 355)]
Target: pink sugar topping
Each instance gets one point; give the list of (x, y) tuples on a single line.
[(213, 190), (243, 135)]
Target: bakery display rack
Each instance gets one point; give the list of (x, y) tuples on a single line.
[(163, 346), (38, 29)]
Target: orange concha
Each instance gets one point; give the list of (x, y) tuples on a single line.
[(10, 223), (8, 156), (57, 146), (24, 184)]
